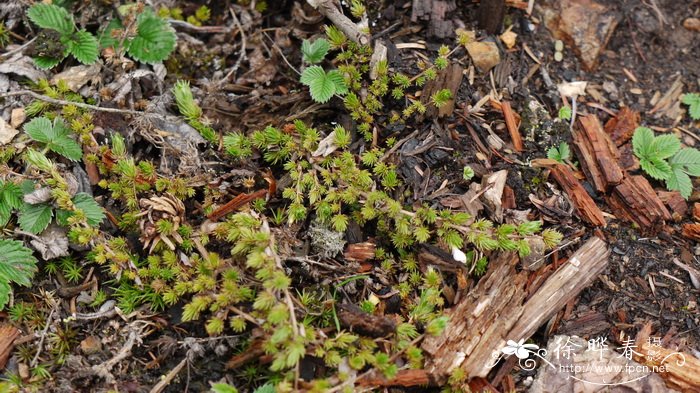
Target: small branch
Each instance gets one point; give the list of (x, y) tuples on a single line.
[(331, 10), (160, 386), (64, 102), (18, 49), (242, 54)]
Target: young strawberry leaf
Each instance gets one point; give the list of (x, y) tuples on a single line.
[(35, 218), (656, 168), (10, 199), (17, 265), (55, 136), (83, 46), (314, 52), (693, 102), (155, 39), (665, 146), (321, 86), (50, 16), (680, 181)]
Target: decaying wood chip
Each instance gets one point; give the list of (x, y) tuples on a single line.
[(597, 153), (354, 319), (680, 370), (498, 309), (360, 252), (404, 378), (635, 200), (584, 205), (8, 334), (622, 126), (696, 211), (677, 204), (692, 231), (512, 126)]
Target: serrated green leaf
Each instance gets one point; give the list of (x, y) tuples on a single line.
[(93, 211), (55, 136), (314, 52), (656, 168), (339, 81), (693, 102), (45, 62), (681, 182), (688, 159), (10, 196), (553, 154), (320, 85), (84, 47), (641, 142), (665, 146), (50, 16), (155, 39), (35, 218), (564, 151), (223, 388), (17, 265)]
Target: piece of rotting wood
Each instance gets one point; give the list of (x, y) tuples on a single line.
[(512, 126), (450, 78), (491, 13), (8, 335), (597, 152), (498, 309)]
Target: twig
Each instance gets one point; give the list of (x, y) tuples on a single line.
[(43, 336), (56, 101), (165, 381), (279, 50), (199, 29), (104, 370), (18, 49), (242, 54), (397, 145), (331, 10)]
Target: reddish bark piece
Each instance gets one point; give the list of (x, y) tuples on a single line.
[(696, 211), (354, 319), (692, 231), (498, 309), (405, 378), (635, 200), (8, 335), (360, 252), (508, 198), (512, 126), (598, 154), (622, 126), (675, 202), (584, 205), (235, 203), (628, 161)]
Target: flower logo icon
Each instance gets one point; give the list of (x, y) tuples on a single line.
[(519, 349)]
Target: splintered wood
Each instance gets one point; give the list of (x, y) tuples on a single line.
[(8, 334), (630, 197), (499, 309)]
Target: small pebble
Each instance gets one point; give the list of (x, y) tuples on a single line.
[(91, 345)]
